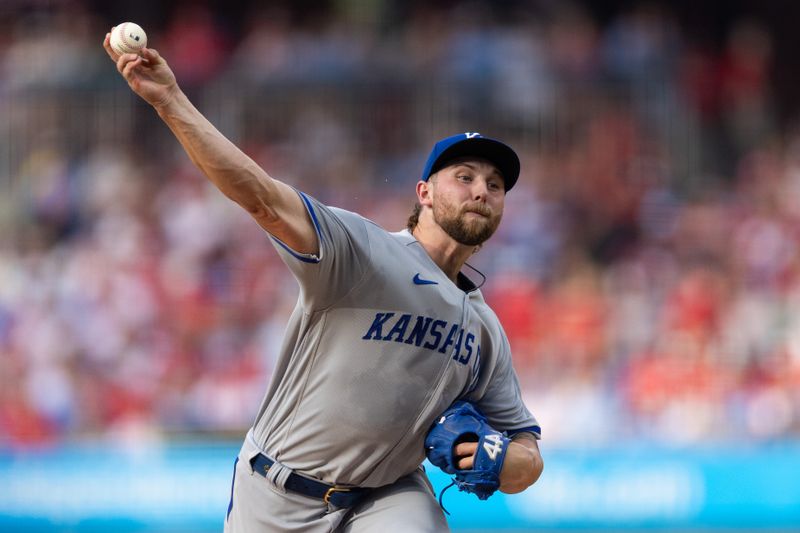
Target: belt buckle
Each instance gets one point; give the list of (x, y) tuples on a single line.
[(330, 492)]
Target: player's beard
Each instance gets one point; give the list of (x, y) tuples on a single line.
[(469, 232)]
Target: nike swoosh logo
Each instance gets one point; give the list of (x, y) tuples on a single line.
[(419, 281)]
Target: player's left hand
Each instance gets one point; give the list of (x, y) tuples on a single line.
[(465, 454), (451, 445), (521, 459)]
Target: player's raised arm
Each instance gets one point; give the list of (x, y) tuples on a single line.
[(274, 205)]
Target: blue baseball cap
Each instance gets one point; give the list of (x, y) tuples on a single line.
[(474, 144)]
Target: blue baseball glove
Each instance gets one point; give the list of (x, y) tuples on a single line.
[(462, 422)]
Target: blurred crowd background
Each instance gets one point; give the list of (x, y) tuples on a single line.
[(647, 270)]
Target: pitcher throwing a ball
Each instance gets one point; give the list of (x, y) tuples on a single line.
[(391, 351)]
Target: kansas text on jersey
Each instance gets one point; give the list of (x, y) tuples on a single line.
[(433, 334)]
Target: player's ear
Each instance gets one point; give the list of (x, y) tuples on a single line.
[(424, 192)]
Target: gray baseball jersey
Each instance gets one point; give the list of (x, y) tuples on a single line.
[(379, 344)]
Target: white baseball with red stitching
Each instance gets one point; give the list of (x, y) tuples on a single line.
[(128, 38)]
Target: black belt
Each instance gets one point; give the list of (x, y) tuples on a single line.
[(337, 496)]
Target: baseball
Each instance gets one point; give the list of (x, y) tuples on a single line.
[(128, 38)]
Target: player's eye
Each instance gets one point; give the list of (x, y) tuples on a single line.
[(464, 177)]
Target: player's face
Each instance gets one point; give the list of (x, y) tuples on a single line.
[(468, 199)]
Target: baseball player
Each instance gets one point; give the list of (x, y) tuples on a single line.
[(386, 336)]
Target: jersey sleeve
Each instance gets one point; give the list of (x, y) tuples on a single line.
[(502, 401), (342, 259)]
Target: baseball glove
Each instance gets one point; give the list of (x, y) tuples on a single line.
[(463, 422)]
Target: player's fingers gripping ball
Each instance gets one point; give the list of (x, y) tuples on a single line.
[(463, 422), (128, 38)]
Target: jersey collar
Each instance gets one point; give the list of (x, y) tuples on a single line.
[(462, 281)]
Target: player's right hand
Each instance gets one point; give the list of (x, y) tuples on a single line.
[(148, 74)]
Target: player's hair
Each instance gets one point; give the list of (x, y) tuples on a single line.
[(413, 218)]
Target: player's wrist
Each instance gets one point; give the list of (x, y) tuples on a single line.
[(521, 468), (171, 98)]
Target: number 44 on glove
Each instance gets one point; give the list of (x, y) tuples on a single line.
[(462, 422)]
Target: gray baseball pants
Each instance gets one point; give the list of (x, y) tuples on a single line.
[(262, 505)]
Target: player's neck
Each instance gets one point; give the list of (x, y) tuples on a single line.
[(448, 254)]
